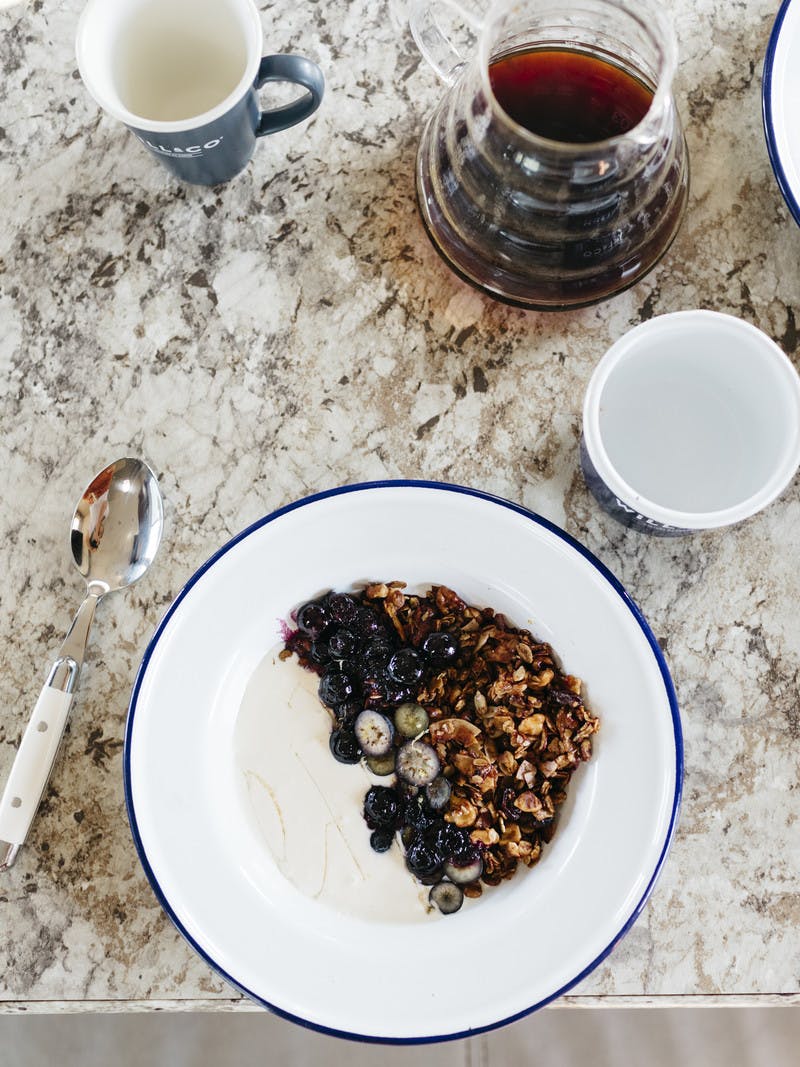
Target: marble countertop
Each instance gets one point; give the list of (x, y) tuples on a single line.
[(293, 331)]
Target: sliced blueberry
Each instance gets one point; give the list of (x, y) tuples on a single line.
[(417, 763), (406, 666), (381, 807), (408, 836), (447, 897), (411, 720), (342, 644), (335, 688), (375, 733), (381, 765), (422, 860), (437, 792), (344, 746), (464, 873), (440, 648), (313, 618), (342, 608), (381, 839)]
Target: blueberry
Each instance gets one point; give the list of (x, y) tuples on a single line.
[(462, 850), (436, 875), (394, 694), (406, 666), (422, 860), (381, 839), (348, 711), (342, 644), (440, 648), (313, 618), (444, 838), (319, 653), (457, 842), (335, 688), (367, 623), (416, 816), (437, 792), (342, 608), (352, 668), (375, 733), (375, 657), (344, 746), (381, 807), (447, 897)]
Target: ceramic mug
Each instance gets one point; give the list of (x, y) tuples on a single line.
[(691, 421), (183, 74)]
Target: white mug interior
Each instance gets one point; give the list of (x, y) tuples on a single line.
[(168, 65), (693, 419)]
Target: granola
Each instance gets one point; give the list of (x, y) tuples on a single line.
[(508, 725)]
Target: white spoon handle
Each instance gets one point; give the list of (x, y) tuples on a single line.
[(30, 771)]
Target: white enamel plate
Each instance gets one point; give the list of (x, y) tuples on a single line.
[(522, 943), (781, 102)]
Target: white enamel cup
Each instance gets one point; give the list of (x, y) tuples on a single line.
[(691, 421)]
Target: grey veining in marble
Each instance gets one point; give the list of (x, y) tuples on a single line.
[(294, 330)]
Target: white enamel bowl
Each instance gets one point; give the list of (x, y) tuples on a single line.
[(523, 943), (781, 102)]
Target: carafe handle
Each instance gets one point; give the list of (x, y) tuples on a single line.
[(433, 42)]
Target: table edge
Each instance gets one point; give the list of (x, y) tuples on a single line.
[(241, 1004)]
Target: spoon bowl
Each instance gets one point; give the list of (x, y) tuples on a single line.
[(116, 528)]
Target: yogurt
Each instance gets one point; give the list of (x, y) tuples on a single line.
[(307, 807)]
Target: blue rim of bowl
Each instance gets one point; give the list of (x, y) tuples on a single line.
[(553, 529), (768, 118)]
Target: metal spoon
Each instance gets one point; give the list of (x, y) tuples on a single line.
[(115, 534)]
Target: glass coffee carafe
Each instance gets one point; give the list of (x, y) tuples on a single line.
[(554, 172)]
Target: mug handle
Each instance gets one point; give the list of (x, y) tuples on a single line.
[(299, 71), (435, 46)]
